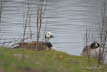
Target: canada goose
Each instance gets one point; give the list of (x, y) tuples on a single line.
[(40, 45), (94, 50)]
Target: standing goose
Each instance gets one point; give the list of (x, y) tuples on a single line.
[(94, 50), (40, 45)]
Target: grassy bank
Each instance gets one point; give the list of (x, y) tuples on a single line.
[(21, 60)]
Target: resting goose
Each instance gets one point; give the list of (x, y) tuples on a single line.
[(94, 50), (40, 45)]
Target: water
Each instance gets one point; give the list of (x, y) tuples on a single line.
[(66, 19)]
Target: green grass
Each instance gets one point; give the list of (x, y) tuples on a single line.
[(22, 60)]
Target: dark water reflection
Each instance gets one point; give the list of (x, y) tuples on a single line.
[(67, 19)]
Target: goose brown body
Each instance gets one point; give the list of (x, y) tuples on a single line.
[(93, 50), (37, 45)]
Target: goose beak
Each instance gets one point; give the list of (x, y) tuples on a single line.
[(51, 36)]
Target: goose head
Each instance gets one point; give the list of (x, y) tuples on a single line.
[(94, 45), (48, 35)]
